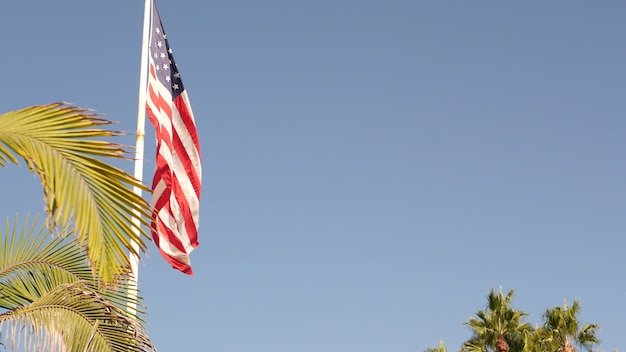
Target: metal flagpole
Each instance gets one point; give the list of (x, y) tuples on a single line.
[(139, 152)]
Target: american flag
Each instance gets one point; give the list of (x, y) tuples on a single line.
[(176, 184)]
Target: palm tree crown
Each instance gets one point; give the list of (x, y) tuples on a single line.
[(562, 331), (499, 327)]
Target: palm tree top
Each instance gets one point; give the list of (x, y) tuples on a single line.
[(563, 328), (499, 326)]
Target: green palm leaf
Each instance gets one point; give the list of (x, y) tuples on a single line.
[(81, 193), (53, 301), (73, 317)]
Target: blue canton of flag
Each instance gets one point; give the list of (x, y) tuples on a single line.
[(164, 64)]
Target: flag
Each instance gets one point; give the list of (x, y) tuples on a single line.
[(177, 178)]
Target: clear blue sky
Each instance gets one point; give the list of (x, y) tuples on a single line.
[(371, 168)]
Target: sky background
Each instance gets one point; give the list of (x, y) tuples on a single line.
[(371, 168)]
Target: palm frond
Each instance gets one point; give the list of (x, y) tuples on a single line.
[(32, 262), (73, 317), (81, 192), (52, 297)]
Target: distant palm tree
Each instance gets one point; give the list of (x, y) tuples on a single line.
[(63, 285), (441, 348), (499, 328), (562, 330)]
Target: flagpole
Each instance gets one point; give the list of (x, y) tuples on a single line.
[(139, 155)]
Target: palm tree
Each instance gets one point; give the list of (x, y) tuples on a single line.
[(499, 328), (63, 284), (441, 348), (562, 330)]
